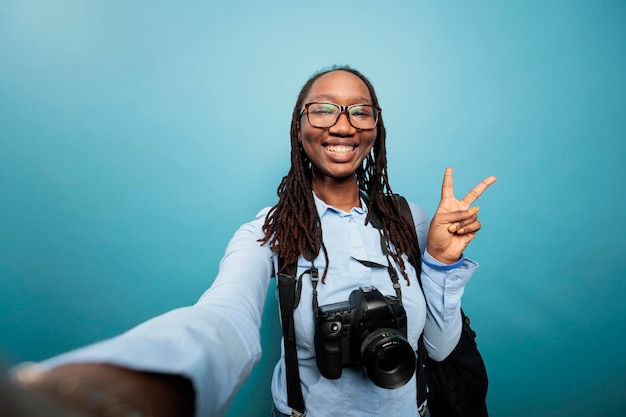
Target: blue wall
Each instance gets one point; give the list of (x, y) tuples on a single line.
[(131, 149)]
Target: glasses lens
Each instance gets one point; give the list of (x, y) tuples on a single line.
[(363, 116), (323, 114)]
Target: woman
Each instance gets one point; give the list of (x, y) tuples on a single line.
[(193, 359)]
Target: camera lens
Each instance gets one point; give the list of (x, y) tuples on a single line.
[(388, 361), (388, 358)]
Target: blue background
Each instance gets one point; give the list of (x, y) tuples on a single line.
[(135, 137)]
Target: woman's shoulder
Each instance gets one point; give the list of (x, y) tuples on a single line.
[(255, 226), (262, 215), (249, 235), (259, 218)]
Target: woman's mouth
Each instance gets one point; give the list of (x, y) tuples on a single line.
[(340, 149)]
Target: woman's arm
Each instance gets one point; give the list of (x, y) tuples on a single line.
[(212, 346), (445, 271)]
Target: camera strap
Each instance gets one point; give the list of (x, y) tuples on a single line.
[(393, 274), (287, 296), (289, 291)]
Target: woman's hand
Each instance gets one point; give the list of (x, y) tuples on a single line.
[(16, 401), (95, 390), (454, 224)]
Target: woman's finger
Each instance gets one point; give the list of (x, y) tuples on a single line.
[(478, 190), (472, 227), (447, 187), (456, 216), (462, 224)]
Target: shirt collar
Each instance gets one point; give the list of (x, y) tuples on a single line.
[(323, 208)]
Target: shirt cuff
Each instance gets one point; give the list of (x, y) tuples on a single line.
[(440, 266)]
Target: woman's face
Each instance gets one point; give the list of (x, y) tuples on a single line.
[(336, 152)]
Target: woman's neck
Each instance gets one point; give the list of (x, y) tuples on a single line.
[(343, 195)]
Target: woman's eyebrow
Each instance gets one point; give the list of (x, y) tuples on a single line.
[(331, 97)]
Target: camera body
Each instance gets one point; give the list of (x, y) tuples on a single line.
[(368, 330)]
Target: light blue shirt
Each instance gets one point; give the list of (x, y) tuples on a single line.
[(216, 342)]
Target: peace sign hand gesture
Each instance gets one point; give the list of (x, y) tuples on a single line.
[(454, 224)]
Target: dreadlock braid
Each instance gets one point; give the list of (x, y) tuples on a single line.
[(293, 228)]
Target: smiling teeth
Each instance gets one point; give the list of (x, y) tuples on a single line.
[(340, 148)]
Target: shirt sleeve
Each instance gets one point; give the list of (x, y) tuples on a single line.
[(443, 287), (215, 343)]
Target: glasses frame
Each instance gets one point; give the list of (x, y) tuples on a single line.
[(342, 109)]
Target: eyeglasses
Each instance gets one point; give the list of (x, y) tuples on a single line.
[(324, 115)]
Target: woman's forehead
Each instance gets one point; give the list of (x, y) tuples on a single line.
[(338, 86)]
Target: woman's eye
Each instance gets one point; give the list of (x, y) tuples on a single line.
[(323, 110), (361, 112)]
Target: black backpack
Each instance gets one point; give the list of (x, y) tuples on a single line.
[(454, 387)]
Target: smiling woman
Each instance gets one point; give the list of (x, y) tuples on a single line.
[(192, 360)]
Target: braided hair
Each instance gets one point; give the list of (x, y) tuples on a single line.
[(292, 227)]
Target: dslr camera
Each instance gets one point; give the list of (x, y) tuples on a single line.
[(369, 330)]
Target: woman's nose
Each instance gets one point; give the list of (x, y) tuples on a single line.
[(343, 125)]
